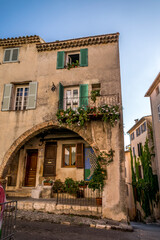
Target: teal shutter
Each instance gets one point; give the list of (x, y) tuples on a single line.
[(60, 60), (61, 92), (84, 57), (32, 96), (84, 95), (7, 97)]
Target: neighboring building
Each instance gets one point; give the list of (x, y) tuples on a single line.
[(37, 79), (128, 178), (141, 130), (154, 94)]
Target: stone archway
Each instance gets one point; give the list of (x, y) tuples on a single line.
[(85, 133)]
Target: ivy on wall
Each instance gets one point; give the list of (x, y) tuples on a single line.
[(144, 189)]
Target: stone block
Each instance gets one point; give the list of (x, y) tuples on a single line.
[(46, 192), (39, 206), (20, 205), (92, 225), (76, 208), (59, 207), (108, 227), (66, 223), (100, 226), (28, 206), (50, 207)]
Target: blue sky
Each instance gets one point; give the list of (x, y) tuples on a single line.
[(137, 22)]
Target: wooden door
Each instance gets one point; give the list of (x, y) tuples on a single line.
[(30, 179), (50, 159)]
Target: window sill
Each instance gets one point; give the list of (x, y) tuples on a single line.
[(10, 62)]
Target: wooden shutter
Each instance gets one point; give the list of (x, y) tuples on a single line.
[(7, 97), (7, 54), (61, 93), (50, 159), (84, 57), (32, 96), (79, 155), (15, 54), (60, 60), (84, 95)]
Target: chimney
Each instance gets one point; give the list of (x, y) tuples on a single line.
[(136, 120)]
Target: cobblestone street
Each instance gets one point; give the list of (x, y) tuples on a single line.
[(46, 230)]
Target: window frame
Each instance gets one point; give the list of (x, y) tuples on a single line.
[(70, 158), (11, 55), (66, 61), (132, 136), (22, 105), (65, 96)]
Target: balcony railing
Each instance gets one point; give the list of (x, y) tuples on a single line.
[(74, 103)]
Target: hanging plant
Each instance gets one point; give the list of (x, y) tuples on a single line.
[(82, 115), (94, 95)]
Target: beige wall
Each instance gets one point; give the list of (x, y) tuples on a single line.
[(155, 101), (128, 180), (103, 67)]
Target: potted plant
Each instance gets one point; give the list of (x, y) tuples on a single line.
[(99, 175), (71, 186), (58, 186), (48, 182), (82, 184), (97, 182)]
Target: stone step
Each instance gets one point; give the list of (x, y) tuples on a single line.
[(19, 193)]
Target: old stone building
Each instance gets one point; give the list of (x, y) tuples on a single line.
[(40, 83)]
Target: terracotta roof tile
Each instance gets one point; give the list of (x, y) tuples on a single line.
[(79, 42), (9, 42)]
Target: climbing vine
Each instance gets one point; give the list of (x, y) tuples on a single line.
[(144, 189)]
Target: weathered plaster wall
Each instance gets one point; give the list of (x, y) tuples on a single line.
[(18, 127)]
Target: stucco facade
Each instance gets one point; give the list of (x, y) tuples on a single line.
[(154, 94), (24, 130)]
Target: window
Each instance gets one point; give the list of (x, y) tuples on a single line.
[(11, 55), (69, 156), (72, 155), (132, 136), (133, 152), (140, 171), (73, 97), (139, 146), (63, 58), (138, 131), (143, 127), (159, 112), (19, 97)]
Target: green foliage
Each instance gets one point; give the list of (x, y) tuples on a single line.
[(71, 186), (58, 186), (99, 175), (73, 65), (146, 188), (94, 94), (82, 115)]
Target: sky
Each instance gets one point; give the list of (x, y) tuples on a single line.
[(138, 23)]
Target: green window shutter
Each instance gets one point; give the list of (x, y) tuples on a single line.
[(61, 92), (60, 60), (84, 57), (32, 96), (7, 97), (84, 95)]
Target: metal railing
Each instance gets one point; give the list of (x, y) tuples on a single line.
[(82, 196), (8, 212), (75, 102)]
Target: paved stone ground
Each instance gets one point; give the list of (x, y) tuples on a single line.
[(71, 220), (47, 230)]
